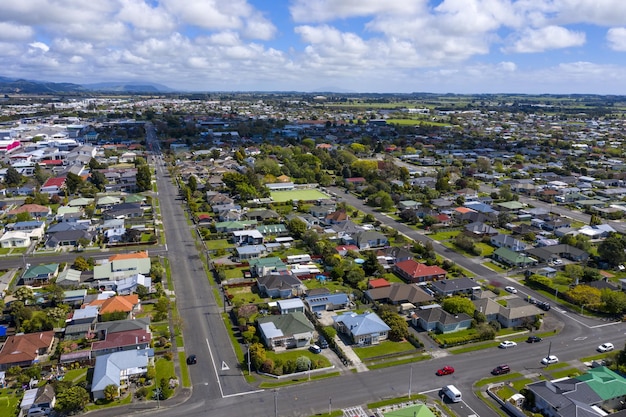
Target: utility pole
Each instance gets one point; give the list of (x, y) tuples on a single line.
[(248, 359), (410, 381), (275, 402)]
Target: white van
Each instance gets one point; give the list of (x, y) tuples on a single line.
[(452, 392)]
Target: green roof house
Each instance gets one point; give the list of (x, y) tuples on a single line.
[(285, 331), (40, 274)]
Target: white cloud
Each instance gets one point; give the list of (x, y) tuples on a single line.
[(39, 46), (12, 32), (141, 16), (617, 39), (327, 10), (507, 66), (545, 39)]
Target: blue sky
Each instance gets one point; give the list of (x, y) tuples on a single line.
[(442, 46)]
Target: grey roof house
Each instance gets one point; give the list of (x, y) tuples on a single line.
[(362, 329)]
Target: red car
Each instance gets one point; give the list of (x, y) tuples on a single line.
[(446, 370)]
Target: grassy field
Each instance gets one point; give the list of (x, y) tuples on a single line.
[(385, 348), (8, 403), (306, 195)]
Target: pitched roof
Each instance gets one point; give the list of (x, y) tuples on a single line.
[(416, 269), (124, 303), (400, 293), (23, 348), (362, 324), (124, 256)]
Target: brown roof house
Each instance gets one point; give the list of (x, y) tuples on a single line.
[(128, 304), (26, 349), (413, 271)]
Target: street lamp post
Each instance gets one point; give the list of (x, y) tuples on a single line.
[(248, 359), (275, 402), (410, 381)]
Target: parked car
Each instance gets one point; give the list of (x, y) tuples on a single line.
[(507, 344), (446, 370), (315, 349), (192, 359), (510, 289), (549, 360), (606, 347), (322, 343), (501, 369), (533, 339), (543, 306)]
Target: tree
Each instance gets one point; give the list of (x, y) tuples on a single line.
[(584, 295), (303, 363), (40, 175), (456, 305), (81, 264), (143, 178), (24, 294), (611, 250), (13, 178), (111, 392), (73, 182), (398, 325), (614, 301), (192, 183), (72, 399), (98, 179), (20, 313), (161, 308), (156, 271), (296, 227)]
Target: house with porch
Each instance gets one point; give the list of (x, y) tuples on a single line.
[(118, 368), (285, 331), (280, 286), (412, 271), (362, 329), (438, 320), (40, 274)]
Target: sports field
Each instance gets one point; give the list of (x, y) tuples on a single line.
[(304, 195)]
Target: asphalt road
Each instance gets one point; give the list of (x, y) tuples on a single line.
[(224, 393)]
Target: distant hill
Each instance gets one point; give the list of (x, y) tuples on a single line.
[(135, 87), (21, 86)]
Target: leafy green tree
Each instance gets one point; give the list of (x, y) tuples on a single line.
[(303, 363), (111, 392), (73, 182), (157, 271), (81, 264), (161, 308), (457, 304), (23, 217), (398, 325), (40, 175), (98, 179), (192, 183), (143, 178), (296, 227), (13, 178), (20, 313), (24, 294), (584, 295), (72, 399), (611, 250), (614, 301)]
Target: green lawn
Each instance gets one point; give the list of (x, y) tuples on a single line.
[(306, 195), (485, 249), (494, 267), (443, 236), (244, 295), (76, 375), (9, 403), (295, 354), (218, 244), (499, 378), (184, 369), (234, 273), (384, 348)]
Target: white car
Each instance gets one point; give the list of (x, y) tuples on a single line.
[(606, 347), (549, 360), (507, 344), (510, 289)]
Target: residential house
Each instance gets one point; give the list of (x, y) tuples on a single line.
[(394, 254), (327, 301), (127, 304), (118, 368), (40, 399), (369, 239), (516, 312), (53, 186), (15, 239), (362, 329), (126, 285), (101, 329), (290, 305), (586, 395), (120, 341), (265, 266), (273, 230), (123, 211), (70, 237), (34, 228), (438, 320), (413, 271), (551, 253), (449, 287), (261, 215), (335, 217), (247, 253), (35, 210), (40, 274), (397, 294), (507, 241), (247, 237), (231, 226), (479, 229), (69, 278), (25, 349), (511, 258), (285, 331), (280, 286), (123, 265)]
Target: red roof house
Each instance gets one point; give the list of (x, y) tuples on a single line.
[(25, 349), (413, 271)]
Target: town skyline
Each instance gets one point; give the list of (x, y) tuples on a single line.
[(399, 46)]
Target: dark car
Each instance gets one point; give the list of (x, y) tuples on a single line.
[(315, 349), (192, 359), (321, 342), (533, 339), (544, 306), (501, 369), (446, 370)]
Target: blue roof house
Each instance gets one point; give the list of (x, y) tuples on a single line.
[(327, 302), (363, 329)]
